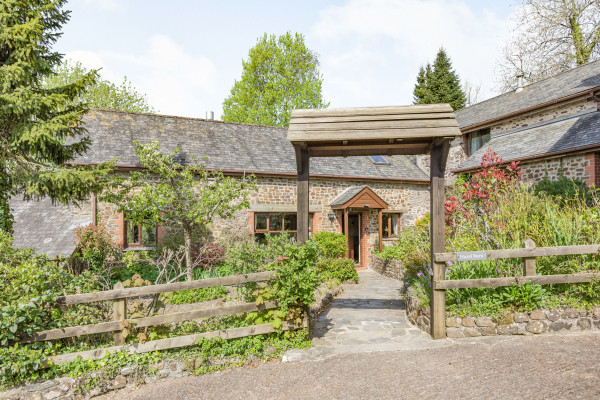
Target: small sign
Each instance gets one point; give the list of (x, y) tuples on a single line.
[(471, 256)]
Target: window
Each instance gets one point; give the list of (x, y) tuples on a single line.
[(478, 139), (379, 160), (276, 223), (391, 225), (140, 235)]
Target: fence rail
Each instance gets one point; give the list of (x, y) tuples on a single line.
[(120, 321), (529, 253)]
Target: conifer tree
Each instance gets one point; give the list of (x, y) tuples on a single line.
[(40, 130), (439, 84)]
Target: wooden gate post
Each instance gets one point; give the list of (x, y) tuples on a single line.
[(302, 191), (439, 156), (529, 267), (119, 314)]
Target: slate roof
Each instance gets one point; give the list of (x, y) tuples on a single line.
[(228, 146), (347, 195), (574, 81), (44, 227), (555, 136)]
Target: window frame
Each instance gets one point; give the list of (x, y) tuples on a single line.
[(282, 230), (389, 225), (479, 134), (139, 243), (384, 162)]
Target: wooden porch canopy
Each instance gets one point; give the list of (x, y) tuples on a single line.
[(363, 198), (396, 130)]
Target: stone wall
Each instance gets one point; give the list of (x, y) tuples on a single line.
[(456, 155), (417, 314), (390, 268), (578, 166), (414, 198), (514, 323), (71, 388), (548, 114)]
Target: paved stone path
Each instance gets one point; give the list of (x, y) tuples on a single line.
[(368, 316)]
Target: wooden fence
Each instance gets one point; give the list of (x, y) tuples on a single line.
[(120, 321), (529, 254)]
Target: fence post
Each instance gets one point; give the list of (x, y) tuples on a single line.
[(529, 268), (119, 314), (306, 320)]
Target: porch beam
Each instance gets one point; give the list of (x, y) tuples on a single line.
[(346, 233), (380, 219), (439, 156), (302, 189)]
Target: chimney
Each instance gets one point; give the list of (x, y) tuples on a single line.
[(210, 115), (520, 83)]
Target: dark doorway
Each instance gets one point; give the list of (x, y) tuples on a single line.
[(354, 236)]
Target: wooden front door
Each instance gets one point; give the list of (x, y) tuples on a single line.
[(354, 237)]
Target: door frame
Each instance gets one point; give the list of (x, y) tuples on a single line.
[(359, 216)]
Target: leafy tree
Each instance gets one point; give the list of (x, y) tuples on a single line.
[(439, 84), (550, 36), (280, 75), (168, 193), (39, 127), (103, 94)]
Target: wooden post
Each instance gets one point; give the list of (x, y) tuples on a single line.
[(380, 218), (439, 155), (346, 233), (119, 314), (306, 320), (302, 167), (529, 267)]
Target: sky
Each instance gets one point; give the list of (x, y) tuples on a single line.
[(186, 55)]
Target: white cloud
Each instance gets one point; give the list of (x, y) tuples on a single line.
[(175, 81), (371, 50)]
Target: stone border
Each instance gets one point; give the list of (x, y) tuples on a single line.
[(390, 268), (517, 323)]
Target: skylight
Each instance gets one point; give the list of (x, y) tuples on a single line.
[(379, 160)]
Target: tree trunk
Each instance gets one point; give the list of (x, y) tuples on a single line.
[(187, 238)]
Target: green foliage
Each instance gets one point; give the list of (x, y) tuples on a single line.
[(439, 84), (196, 295), (169, 193), (295, 277), (281, 74), (94, 246), (35, 122), (256, 257), (101, 94), (565, 189), (330, 244), (19, 364), (341, 269), (524, 297)]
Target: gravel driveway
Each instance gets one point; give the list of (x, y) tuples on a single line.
[(540, 367)]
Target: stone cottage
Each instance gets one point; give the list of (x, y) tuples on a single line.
[(393, 184), (550, 127)]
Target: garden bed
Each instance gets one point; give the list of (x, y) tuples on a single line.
[(559, 320)]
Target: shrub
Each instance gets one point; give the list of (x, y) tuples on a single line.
[(330, 244), (94, 246), (196, 295), (564, 189), (341, 269)]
